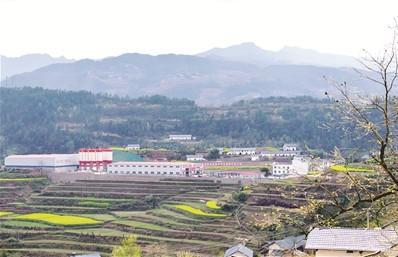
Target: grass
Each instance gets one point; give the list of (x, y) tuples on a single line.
[(5, 213), (345, 168), (103, 217), (21, 179), (198, 212), (64, 220), (138, 224), (99, 204), (212, 205), (26, 224)]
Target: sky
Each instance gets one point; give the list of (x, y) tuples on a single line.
[(100, 28)]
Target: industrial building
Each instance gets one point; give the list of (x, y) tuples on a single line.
[(48, 162), (95, 159), (156, 168)]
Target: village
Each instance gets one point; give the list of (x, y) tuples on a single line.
[(240, 166)]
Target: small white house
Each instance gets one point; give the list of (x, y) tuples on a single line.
[(290, 147), (242, 151), (195, 158), (238, 250), (133, 147), (180, 137), (347, 242)]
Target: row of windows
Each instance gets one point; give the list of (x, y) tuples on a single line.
[(145, 172), (281, 171), (145, 166)]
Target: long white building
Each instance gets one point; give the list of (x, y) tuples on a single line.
[(50, 162), (156, 168), (242, 151)]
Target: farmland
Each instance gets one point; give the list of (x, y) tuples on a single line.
[(167, 216)]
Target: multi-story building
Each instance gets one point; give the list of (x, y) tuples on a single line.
[(300, 165), (196, 158), (155, 168)]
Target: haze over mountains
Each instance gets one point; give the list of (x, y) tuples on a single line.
[(218, 76), (10, 66)]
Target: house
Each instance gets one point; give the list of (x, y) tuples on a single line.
[(325, 242), (241, 174), (241, 151), (290, 147), (195, 158), (238, 250), (299, 166), (88, 255), (133, 147), (275, 154), (180, 137), (289, 246)]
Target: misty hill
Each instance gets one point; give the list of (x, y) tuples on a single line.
[(15, 65), (250, 53), (208, 81)]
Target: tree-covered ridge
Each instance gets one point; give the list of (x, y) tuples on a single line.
[(41, 120)]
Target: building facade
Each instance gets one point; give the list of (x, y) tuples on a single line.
[(48, 162), (133, 147), (195, 158), (180, 137), (241, 151), (155, 168)]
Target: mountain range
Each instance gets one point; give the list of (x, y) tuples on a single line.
[(218, 76)]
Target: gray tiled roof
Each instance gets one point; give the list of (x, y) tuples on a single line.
[(239, 248), (291, 242), (351, 239)]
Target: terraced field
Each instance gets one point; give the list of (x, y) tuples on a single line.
[(108, 210)]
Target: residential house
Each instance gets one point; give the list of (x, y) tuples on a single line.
[(238, 250), (241, 151), (287, 247), (290, 147), (299, 166), (133, 147), (195, 158), (346, 242), (180, 137)]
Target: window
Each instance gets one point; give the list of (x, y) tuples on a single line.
[(349, 251), (152, 172), (146, 172)]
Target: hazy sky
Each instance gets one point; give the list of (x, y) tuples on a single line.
[(99, 28)]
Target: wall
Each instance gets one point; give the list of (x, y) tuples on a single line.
[(329, 253)]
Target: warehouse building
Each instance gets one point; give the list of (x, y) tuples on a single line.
[(48, 162), (155, 168)]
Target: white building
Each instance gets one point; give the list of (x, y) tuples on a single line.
[(275, 154), (290, 147), (133, 147), (281, 168), (299, 166), (195, 158), (156, 168), (347, 242), (241, 151), (50, 162), (180, 137)]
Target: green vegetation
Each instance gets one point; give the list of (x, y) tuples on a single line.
[(128, 248), (143, 225), (198, 212), (72, 120), (21, 179)]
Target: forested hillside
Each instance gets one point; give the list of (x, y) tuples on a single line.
[(36, 120)]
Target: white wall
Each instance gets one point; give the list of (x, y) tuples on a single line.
[(330, 253)]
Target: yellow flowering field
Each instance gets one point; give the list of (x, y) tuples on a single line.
[(65, 220), (212, 205), (198, 212), (5, 213)]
